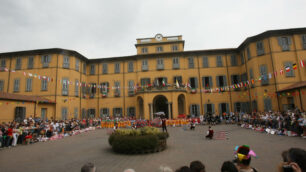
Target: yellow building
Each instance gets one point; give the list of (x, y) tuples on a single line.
[(160, 77)]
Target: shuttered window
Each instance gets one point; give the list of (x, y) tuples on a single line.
[(234, 60), (104, 68), (30, 62), (117, 89), (65, 86), (267, 104), (117, 67), (16, 85), (207, 82), (117, 112), (18, 63), (175, 63), (221, 81), (104, 88), (304, 42), (76, 88), (209, 109), (76, 113), (219, 61), (64, 113), (242, 58), (223, 107), (193, 82), (289, 73), (131, 87), (92, 69), (190, 62), (194, 110), (3, 63), (248, 53), (160, 64), (45, 60), (104, 112), (29, 85), (77, 64), (264, 74), (260, 48), (131, 67), (66, 63), (131, 112), (44, 85), (144, 65), (1, 85), (284, 42), (205, 62), (84, 68)]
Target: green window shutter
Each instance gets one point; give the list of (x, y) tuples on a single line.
[(224, 81), (213, 108), (217, 80), (210, 82)]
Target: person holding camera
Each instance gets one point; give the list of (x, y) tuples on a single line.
[(293, 161)]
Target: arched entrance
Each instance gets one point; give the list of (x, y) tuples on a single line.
[(181, 104), (160, 104), (140, 107)]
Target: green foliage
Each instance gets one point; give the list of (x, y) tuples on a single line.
[(144, 140)]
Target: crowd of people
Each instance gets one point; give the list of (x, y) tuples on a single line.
[(293, 160)]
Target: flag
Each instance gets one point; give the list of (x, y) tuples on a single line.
[(281, 71), (287, 68), (24, 74), (270, 76), (6, 69), (275, 74), (302, 63), (294, 66), (177, 84), (157, 83), (253, 81), (164, 84)]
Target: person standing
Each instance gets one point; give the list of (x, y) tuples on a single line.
[(164, 126)]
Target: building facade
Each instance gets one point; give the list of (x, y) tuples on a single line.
[(266, 72)]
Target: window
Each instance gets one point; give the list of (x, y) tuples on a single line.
[(18, 63), (131, 112), (242, 58), (237, 107), (92, 90), (254, 106), (30, 62), (45, 60), (248, 53), (16, 85), (29, 85), (76, 88), (104, 88), (1, 85), (219, 61), (159, 49), (145, 81), (194, 110), (190, 62), (160, 82), (130, 87), (117, 112), (117, 67), (289, 70), (76, 113), (304, 42), (221, 81), (144, 50), (260, 48), (83, 113), (3, 63), (234, 60), (235, 80), (244, 78), (145, 65), (131, 67), (84, 68), (174, 48), (92, 69), (290, 101), (205, 62), (251, 75), (65, 85), (176, 63), (64, 113), (66, 62), (267, 104), (284, 42), (91, 113), (117, 89), (193, 82), (104, 68), (178, 79), (207, 82), (77, 64), (264, 74), (43, 113), (160, 64), (104, 112), (223, 108), (44, 85), (209, 109)]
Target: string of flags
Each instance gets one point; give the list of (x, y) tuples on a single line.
[(164, 84)]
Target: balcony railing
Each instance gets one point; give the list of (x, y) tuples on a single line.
[(160, 89)]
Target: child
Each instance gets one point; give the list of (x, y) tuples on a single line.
[(29, 138), (210, 133)]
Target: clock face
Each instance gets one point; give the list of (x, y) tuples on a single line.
[(159, 37)]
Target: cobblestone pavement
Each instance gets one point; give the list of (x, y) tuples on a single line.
[(71, 153)]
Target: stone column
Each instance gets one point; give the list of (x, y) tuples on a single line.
[(151, 111)]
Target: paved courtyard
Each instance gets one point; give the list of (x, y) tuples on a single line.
[(71, 153)]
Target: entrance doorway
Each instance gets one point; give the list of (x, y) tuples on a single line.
[(160, 104), (181, 104), (140, 107)]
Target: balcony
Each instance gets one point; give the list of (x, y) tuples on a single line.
[(160, 89)]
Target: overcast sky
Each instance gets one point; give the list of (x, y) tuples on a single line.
[(109, 28)]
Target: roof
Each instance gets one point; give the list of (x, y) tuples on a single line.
[(294, 86), (19, 97), (44, 52)]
